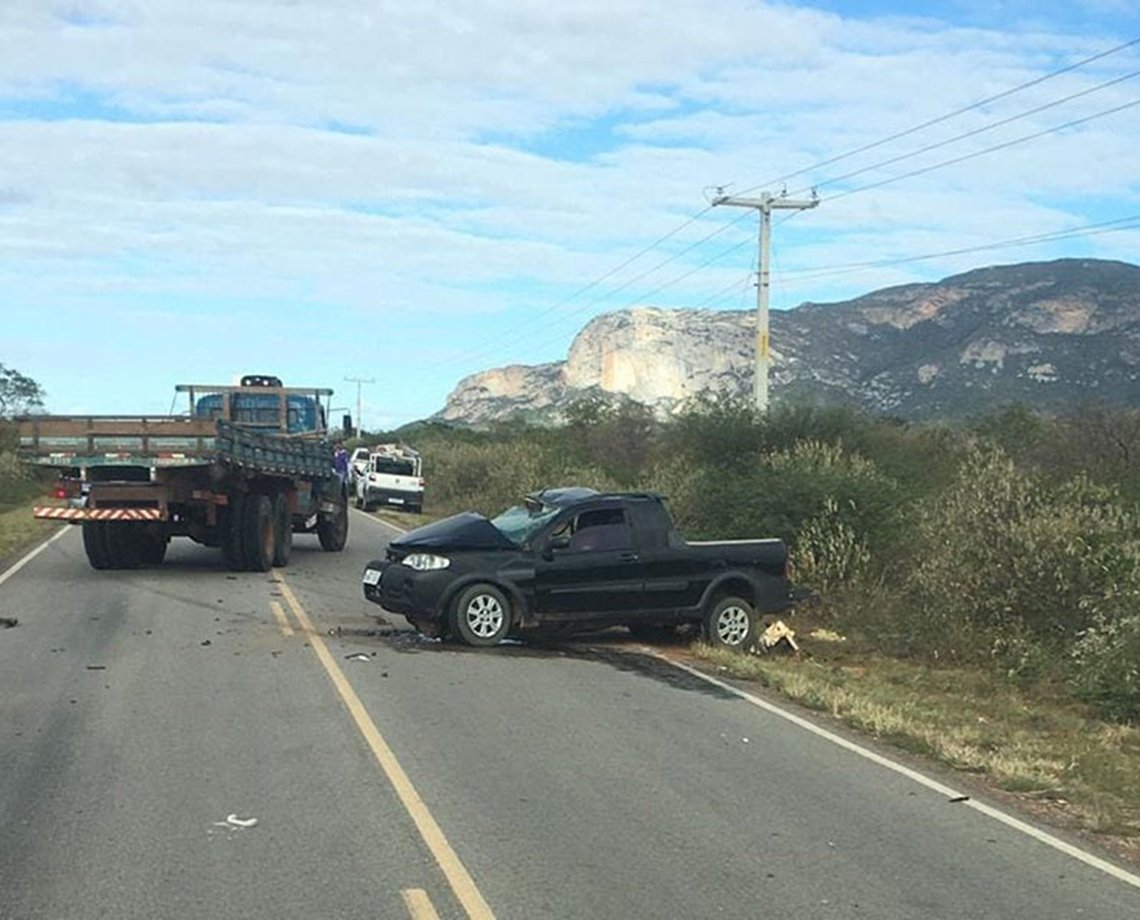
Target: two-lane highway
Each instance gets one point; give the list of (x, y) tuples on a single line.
[(393, 776)]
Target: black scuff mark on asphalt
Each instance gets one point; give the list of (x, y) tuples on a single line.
[(9, 622)]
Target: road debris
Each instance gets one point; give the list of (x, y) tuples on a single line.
[(205, 642), (96, 667), (960, 798), (826, 635), (776, 634), (359, 656), (235, 821), (9, 622)]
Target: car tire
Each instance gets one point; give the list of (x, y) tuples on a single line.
[(259, 527), (282, 530), (730, 623), (481, 616)]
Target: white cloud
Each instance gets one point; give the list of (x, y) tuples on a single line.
[(452, 171)]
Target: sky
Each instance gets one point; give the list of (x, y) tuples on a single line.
[(409, 193)]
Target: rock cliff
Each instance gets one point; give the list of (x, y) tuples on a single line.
[(1050, 335)]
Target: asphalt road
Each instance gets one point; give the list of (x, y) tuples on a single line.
[(392, 776)]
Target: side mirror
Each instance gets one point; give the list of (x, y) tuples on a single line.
[(562, 541)]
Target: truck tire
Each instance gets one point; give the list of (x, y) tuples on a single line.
[(124, 545), (95, 544), (730, 623), (481, 616), (283, 530), (152, 545), (233, 533), (259, 533), (333, 532)]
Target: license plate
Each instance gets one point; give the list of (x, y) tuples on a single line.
[(396, 501), (371, 577)]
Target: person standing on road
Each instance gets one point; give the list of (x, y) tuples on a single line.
[(340, 461)]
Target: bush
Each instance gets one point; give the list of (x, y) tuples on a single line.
[(1106, 663), (1001, 558)]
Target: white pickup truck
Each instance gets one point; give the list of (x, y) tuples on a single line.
[(393, 476)]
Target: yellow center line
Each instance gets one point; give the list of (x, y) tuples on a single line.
[(282, 620), (419, 904), (453, 869)]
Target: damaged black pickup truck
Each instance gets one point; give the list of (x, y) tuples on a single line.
[(571, 560)]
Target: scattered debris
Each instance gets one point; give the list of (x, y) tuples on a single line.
[(235, 821), (359, 656), (96, 667), (745, 740), (960, 798), (205, 642), (9, 622), (779, 632), (383, 673), (826, 635)]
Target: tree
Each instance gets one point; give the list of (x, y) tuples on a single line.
[(19, 395)]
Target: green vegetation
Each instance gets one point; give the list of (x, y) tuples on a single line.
[(985, 578), (1010, 546)]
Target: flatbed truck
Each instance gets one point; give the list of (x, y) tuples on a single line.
[(246, 468)]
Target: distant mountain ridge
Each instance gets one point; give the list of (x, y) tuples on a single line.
[(1047, 334)]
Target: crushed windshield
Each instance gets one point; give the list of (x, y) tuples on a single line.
[(520, 524)]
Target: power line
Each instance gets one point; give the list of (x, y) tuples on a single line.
[(972, 133), (1111, 226), (471, 355), (978, 153), (941, 118)]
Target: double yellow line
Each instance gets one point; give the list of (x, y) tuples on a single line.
[(454, 871)]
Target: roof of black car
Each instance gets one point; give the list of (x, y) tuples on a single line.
[(571, 495)]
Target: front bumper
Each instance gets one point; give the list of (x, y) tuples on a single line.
[(399, 589)]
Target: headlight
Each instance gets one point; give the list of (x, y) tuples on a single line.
[(425, 562)]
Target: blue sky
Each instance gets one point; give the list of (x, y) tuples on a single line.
[(417, 192)]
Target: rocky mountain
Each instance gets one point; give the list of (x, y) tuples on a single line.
[(1047, 334)]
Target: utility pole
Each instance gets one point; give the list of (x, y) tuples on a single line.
[(359, 381), (765, 204)]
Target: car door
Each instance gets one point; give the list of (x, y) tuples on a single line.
[(591, 569)]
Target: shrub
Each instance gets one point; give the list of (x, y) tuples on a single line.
[(1000, 554), (1106, 664)]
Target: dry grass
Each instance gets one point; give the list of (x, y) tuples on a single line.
[(19, 531), (1034, 743), (405, 520)]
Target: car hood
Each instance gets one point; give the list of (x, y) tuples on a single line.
[(460, 531)]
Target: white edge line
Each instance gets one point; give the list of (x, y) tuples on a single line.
[(1037, 834), (15, 567), (377, 520)]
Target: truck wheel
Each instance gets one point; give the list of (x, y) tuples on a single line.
[(95, 544), (730, 623), (151, 547), (481, 616), (233, 533), (333, 532), (123, 545), (259, 533), (283, 530)]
